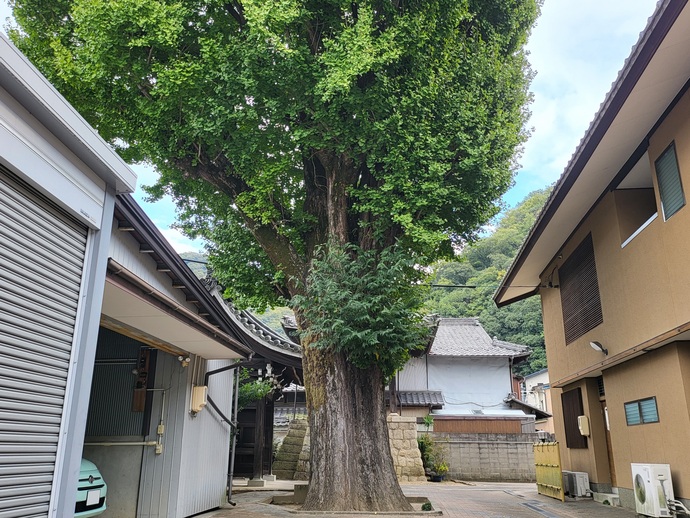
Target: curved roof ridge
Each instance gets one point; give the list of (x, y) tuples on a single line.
[(252, 324), (520, 349)]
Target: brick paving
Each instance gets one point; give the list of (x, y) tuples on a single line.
[(454, 500)]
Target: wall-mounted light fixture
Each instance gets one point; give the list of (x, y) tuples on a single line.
[(598, 347)]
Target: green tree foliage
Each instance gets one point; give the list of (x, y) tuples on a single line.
[(196, 262), (363, 304), (280, 127), (483, 265), (252, 389)]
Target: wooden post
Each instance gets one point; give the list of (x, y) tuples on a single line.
[(259, 441), (393, 403)]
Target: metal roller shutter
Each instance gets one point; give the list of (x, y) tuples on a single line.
[(41, 258)]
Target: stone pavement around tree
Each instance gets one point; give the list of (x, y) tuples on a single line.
[(455, 500)]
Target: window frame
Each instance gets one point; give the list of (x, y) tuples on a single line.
[(663, 186), (638, 403)]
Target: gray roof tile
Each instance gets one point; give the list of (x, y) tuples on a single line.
[(467, 337), (433, 398)]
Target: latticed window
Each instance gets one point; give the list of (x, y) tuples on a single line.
[(580, 299)]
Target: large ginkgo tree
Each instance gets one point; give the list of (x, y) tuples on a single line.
[(327, 150)]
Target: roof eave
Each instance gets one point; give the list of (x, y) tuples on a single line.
[(137, 217), (26, 84), (659, 24)]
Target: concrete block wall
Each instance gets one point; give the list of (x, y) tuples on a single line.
[(488, 456)]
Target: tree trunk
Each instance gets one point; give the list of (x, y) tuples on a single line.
[(351, 463)]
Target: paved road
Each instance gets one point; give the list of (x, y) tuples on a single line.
[(455, 500)]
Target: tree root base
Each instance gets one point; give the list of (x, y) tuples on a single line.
[(416, 501)]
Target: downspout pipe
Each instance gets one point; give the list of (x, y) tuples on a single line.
[(234, 439), (249, 362)]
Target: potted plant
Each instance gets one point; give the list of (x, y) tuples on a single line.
[(433, 458), (439, 471)]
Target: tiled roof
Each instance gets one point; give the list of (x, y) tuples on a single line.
[(426, 398), (527, 408), (466, 337), (290, 411), (269, 338)]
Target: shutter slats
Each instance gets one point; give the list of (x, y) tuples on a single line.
[(33, 273), (580, 300), (48, 385), (41, 259), (22, 302), (29, 419), (572, 408), (56, 372)]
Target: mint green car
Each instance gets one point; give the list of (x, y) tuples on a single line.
[(91, 491)]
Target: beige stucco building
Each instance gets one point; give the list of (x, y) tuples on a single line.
[(609, 257)]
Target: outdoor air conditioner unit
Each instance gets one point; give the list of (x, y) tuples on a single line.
[(653, 488), (568, 481), (576, 483)]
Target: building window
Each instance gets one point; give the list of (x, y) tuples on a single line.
[(642, 411), (668, 177), (580, 299), (572, 409)]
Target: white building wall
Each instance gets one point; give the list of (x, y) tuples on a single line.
[(535, 390), (470, 383), (413, 376), (206, 447)]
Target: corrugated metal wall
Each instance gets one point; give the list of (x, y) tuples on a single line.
[(206, 449), (110, 406), (190, 475), (160, 474)]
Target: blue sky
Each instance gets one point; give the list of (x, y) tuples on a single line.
[(576, 50)]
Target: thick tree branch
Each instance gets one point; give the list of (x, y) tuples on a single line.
[(237, 12), (315, 202), (341, 174), (313, 28), (277, 247)]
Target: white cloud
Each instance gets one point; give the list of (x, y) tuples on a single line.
[(180, 242), (576, 49)]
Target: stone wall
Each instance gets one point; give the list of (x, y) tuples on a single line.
[(489, 457), (290, 449), (402, 435), (303, 470), (292, 461)]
